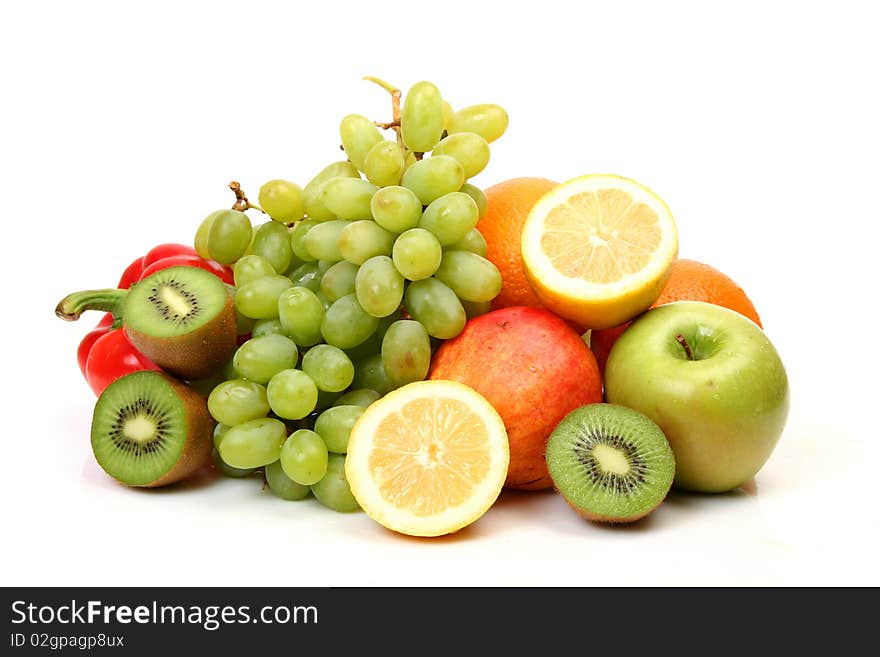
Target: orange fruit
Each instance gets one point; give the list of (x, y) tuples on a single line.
[(507, 205), (689, 281), (598, 249), (533, 368), (428, 458)]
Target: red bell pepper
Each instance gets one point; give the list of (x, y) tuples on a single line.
[(166, 250), (222, 272), (105, 353), (86, 344), (112, 356), (131, 274)]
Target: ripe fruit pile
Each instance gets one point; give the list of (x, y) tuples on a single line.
[(314, 328), (391, 338)]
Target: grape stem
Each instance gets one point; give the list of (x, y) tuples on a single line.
[(241, 201), (395, 108)]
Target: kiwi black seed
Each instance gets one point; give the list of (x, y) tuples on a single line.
[(610, 463), (183, 319), (151, 430)]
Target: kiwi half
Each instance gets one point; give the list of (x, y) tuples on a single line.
[(183, 319), (151, 430), (610, 463)]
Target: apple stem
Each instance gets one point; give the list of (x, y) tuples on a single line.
[(687, 348)]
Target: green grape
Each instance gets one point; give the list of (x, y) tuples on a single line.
[(206, 385), (358, 136), (297, 240), (338, 280), (259, 299), (324, 265), (450, 217), (304, 457), (384, 324), (254, 443), (416, 254), (379, 286), (229, 236), (396, 208), (437, 308), (370, 373), (333, 490), (243, 325), (251, 267), (322, 241), (384, 164), (292, 394), (219, 430), (421, 118), (267, 327), (272, 242), (282, 485), (469, 148), (368, 347), (434, 177), (201, 238), (236, 401), (348, 198), (250, 246), (346, 324), (487, 120), (334, 426), (325, 400), (476, 308), (325, 302), (314, 206), (471, 277), (406, 352), (361, 240), (362, 397), (448, 112), (227, 372), (295, 263), (227, 470), (479, 197), (329, 367), (262, 357), (282, 200), (472, 241), (306, 275)]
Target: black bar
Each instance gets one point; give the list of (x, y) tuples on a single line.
[(257, 621)]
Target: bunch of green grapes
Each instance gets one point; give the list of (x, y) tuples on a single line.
[(344, 294)]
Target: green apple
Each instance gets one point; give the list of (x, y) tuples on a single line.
[(712, 380)]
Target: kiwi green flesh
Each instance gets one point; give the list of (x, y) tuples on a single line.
[(610, 463), (149, 430), (183, 319), (174, 301)]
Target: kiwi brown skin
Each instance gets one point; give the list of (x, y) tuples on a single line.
[(197, 354), (196, 452), (609, 520)]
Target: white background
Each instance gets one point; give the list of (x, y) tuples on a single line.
[(757, 123)]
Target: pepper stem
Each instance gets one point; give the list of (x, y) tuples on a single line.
[(687, 348), (73, 305)]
